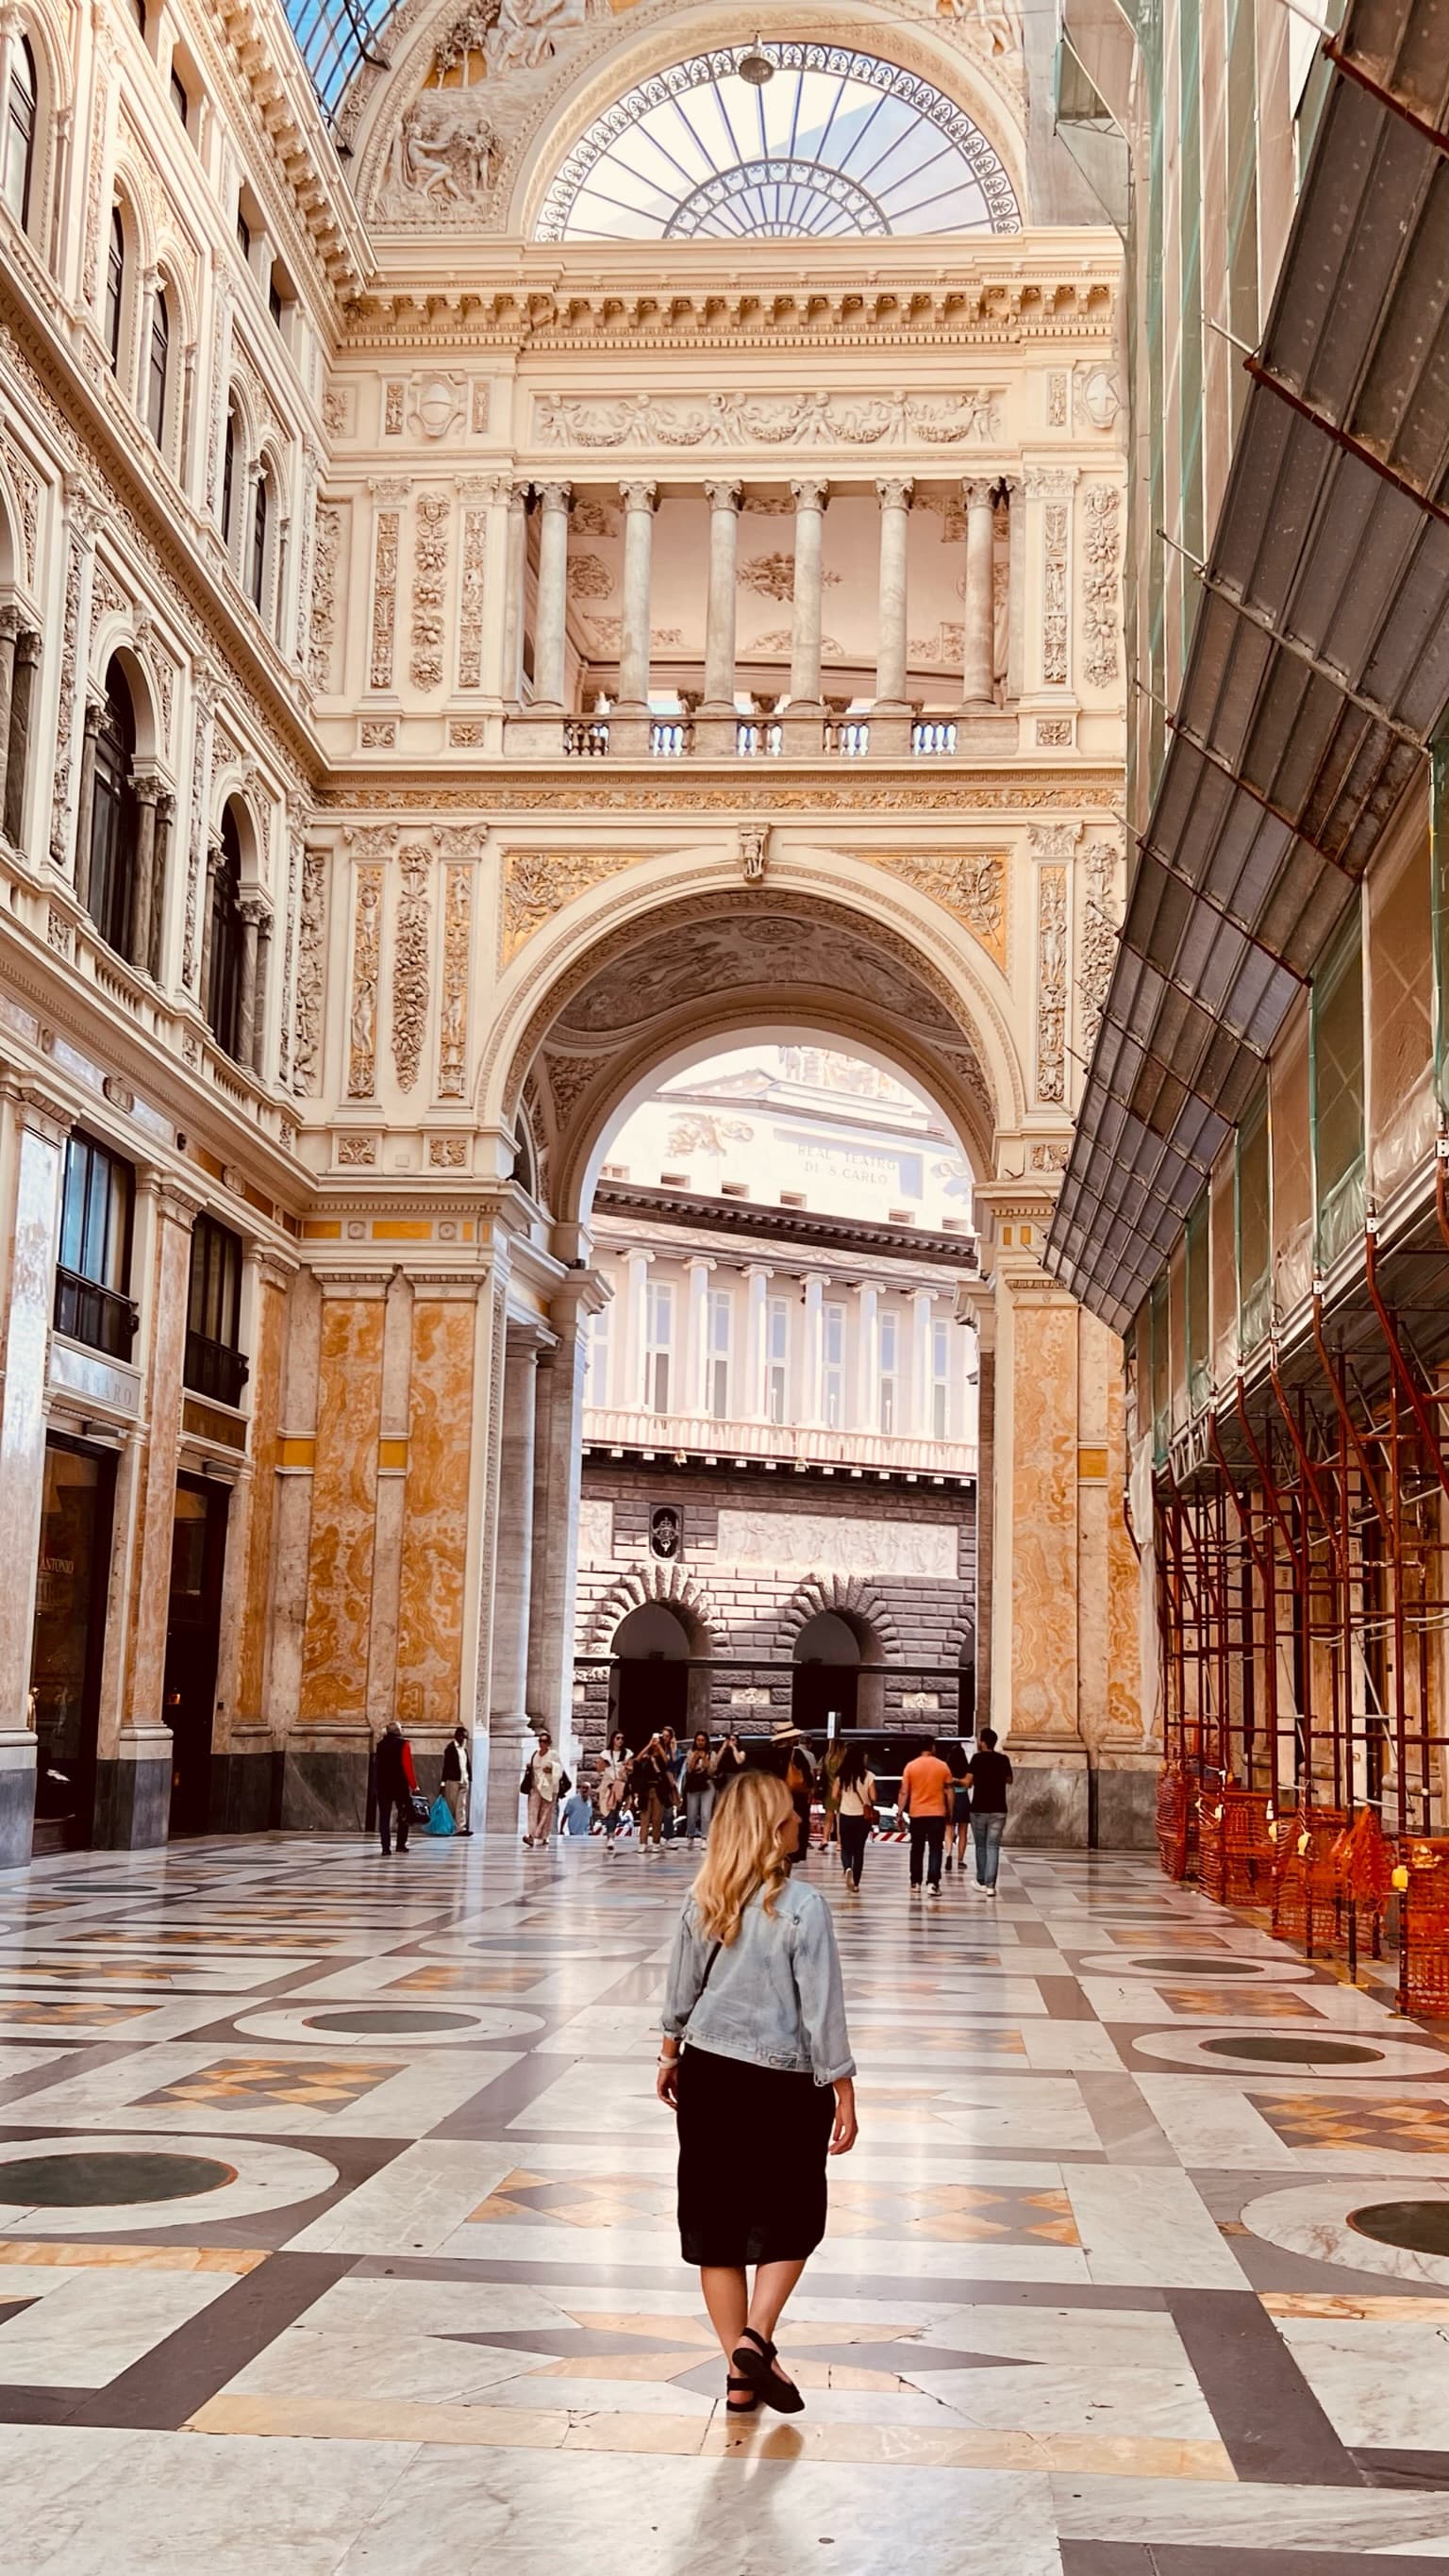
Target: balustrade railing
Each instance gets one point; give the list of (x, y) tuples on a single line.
[(757, 737), (803, 1444), (933, 734), (100, 1317)]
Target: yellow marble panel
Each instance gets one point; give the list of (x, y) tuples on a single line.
[(435, 1525), (266, 1415), (1044, 1520), (344, 1510)]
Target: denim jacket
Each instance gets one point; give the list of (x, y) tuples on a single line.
[(774, 1996)]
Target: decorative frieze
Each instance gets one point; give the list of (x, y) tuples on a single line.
[(75, 564), (453, 1013), (327, 551), (538, 883), (968, 884), (1051, 984), (1056, 522), (1101, 929), (384, 598), (470, 606), (311, 960), (205, 687), (430, 575), (26, 487), (806, 419), (366, 968), (1101, 598), (410, 964)]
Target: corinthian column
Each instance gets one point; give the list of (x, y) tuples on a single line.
[(540, 726), (629, 726), (147, 789), (978, 660), (715, 724), (890, 721), (804, 713)]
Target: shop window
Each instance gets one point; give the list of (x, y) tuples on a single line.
[(1338, 1094), (223, 982), (158, 365), (94, 1266), (214, 1365), (17, 143), (113, 816), (115, 290)]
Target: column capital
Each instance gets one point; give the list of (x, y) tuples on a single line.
[(36, 1109), (178, 1205), (810, 491), (895, 491), (639, 496), (701, 1261), (759, 1270), (554, 496), (9, 624), (254, 910), (637, 1252), (979, 490), (725, 495), (147, 786)]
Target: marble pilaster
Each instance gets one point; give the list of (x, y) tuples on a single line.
[(629, 723), (867, 1356), (890, 719), (39, 1128), (539, 727), (508, 1726), (804, 713), (556, 1479), (758, 1276), (979, 614)]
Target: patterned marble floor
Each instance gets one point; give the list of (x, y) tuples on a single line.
[(336, 2234)]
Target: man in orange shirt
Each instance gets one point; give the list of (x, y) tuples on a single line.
[(926, 1796)]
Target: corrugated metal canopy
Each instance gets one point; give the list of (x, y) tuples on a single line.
[(1319, 668)]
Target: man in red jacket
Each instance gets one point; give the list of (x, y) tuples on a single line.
[(397, 1784)]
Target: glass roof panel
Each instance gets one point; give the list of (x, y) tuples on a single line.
[(834, 144), (335, 36)]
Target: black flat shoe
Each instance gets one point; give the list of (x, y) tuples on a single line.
[(733, 2387), (755, 2361)]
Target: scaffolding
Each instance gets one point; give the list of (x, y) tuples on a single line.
[(1302, 1528)]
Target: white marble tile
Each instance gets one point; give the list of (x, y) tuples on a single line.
[(87, 2326), (414, 2204), (1146, 2223), (1383, 2383)]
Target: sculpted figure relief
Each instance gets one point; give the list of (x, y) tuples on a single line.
[(444, 150)]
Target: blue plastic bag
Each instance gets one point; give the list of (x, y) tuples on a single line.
[(440, 1817)]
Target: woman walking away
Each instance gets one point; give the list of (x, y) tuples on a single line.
[(958, 1820), (698, 1788), (544, 1782), (855, 1798), (613, 1786), (756, 2062)]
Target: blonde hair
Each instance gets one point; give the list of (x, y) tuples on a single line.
[(744, 1853)]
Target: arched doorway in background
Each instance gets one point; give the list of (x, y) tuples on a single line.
[(826, 1679), (651, 1674)]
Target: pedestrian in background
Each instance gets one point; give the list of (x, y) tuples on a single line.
[(856, 1807), (958, 1821), (458, 1779), (397, 1786), (544, 1782), (755, 2061), (990, 1777), (698, 1788), (613, 1787), (926, 1798), (653, 1791)]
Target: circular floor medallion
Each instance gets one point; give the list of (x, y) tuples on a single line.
[(376, 2020), (109, 2180), (1177, 1963), (1420, 2226), (1264, 2050)]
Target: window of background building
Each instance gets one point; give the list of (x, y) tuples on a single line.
[(228, 475), (717, 1382), (243, 235), (223, 986), (940, 1379), (598, 1390), (257, 572), (158, 361), (889, 1362), (115, 289), (214, 1364), (777, 1366), (94, 1266), (113, 816), (179, 99), (658, 1342), (832, 1390), (17, 144)]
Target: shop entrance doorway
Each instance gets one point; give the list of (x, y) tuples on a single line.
[(193, 1638), (69, 1639)]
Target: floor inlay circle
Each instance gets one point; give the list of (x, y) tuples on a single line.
[(1420, 2226), (109, 2180), (391, 2023), (1261, 2048)]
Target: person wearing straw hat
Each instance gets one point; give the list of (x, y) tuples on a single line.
[(790, 1761)]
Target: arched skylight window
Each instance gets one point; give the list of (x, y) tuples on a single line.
[(834, 145), (335, 36)]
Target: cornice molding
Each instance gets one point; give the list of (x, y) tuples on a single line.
[(774, 787)]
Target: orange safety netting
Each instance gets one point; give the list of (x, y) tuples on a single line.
[(1308, 1897), (1172, 1820), (1424, 1924)]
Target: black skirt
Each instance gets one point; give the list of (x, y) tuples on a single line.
[(752, 2147)]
